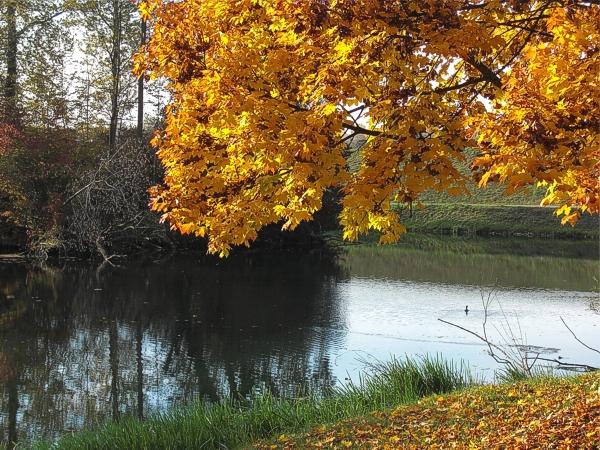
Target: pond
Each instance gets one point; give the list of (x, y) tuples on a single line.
[(81, 344)]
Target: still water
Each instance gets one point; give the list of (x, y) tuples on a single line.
[(81, 344)]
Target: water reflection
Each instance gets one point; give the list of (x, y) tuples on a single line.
[(478, 269), (79, 346)]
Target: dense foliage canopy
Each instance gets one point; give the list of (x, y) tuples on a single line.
[(268, 93)]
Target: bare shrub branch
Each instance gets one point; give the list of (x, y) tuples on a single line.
[(577, 339), (513, 352), (110, 204)]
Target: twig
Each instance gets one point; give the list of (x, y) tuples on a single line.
[(577, 339), (487, 341), (565, 365)]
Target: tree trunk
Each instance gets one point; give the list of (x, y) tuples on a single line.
[(10, 84), (116, 75), (140, 111)]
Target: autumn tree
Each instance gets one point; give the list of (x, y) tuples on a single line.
[(267, 93), (545, 125)]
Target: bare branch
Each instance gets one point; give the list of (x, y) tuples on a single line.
[(490, 344), (523, 358), (577, 339)]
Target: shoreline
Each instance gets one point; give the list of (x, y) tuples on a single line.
[(404, 403)]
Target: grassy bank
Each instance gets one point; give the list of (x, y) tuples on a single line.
[(488, 245), (239, 424), (538, 413), (490, 219), (425, 404)]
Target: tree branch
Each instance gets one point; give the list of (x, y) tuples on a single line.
[(488, 74), (42, 21), (469, 82), (577, 339), (360, 130)]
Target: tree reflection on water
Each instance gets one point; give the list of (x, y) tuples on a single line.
[(80, 346)]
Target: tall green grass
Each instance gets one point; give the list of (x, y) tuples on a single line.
[(234, 424)]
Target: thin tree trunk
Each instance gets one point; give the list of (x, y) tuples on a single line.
[(140, 111), (88, 135), (116, 76), (10, 84)]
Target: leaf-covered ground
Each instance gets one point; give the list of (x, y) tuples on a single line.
[(548, 413)]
